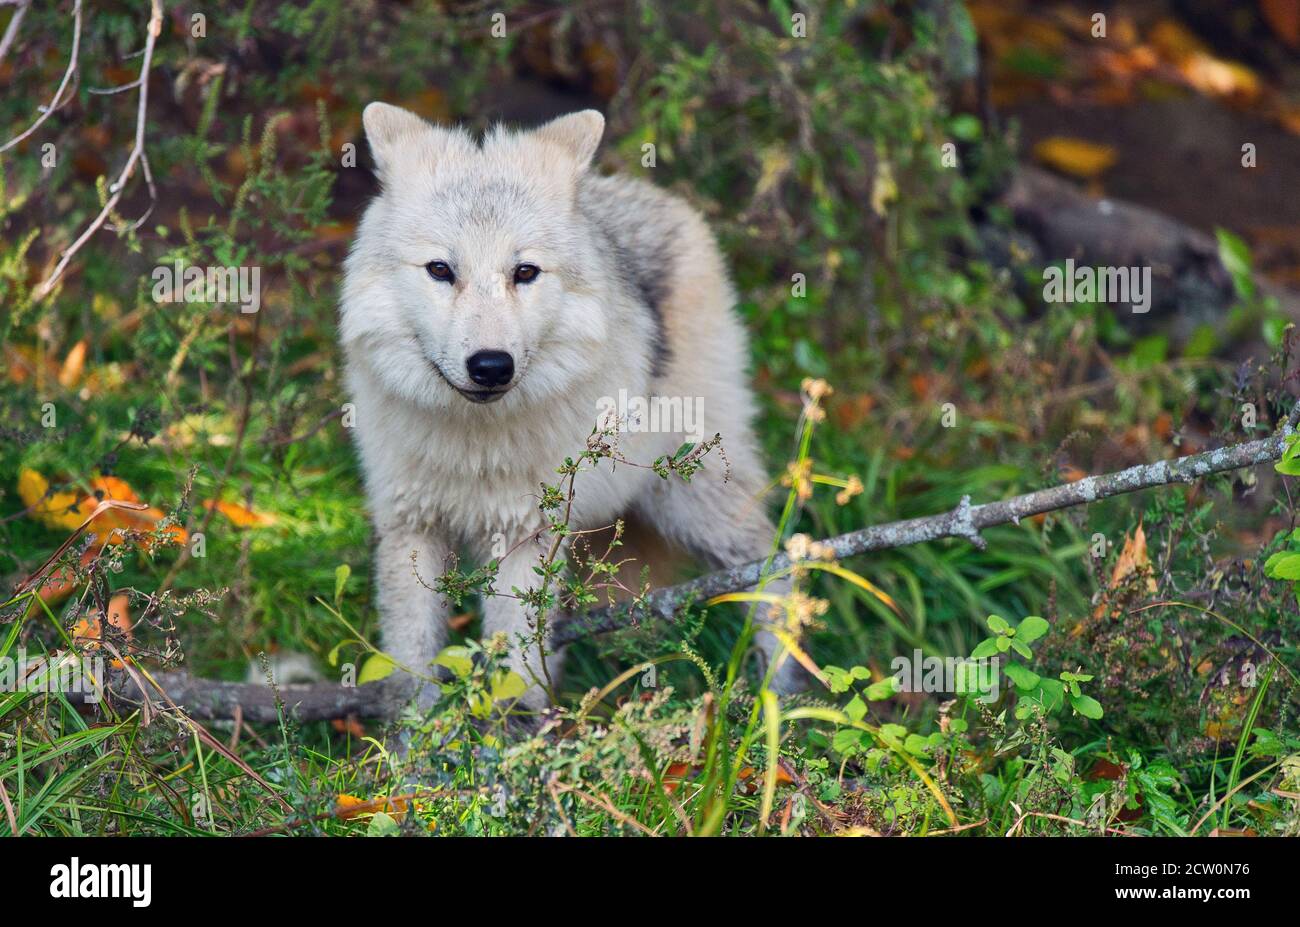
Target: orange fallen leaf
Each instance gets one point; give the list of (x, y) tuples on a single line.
[(87, 630), (1075, 156), (349, 725), (1132, 560), (69, 508), (348, 807), (240, 516), (73, 365)]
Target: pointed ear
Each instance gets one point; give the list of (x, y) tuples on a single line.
[(388, 128), (577, 133)]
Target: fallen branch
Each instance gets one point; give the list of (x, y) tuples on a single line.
[(209, 699), (965, 521)]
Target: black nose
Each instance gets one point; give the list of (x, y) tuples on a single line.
[(490, 368)]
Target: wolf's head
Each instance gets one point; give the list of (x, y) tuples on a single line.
[(474, 274)]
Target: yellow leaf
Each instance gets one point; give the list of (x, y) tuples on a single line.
[(1074, 156), (59, 510)]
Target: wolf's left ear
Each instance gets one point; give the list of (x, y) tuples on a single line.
[(577, 133), (388, 128)]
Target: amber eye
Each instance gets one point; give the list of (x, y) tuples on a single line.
[(526, 273), (439, 271)]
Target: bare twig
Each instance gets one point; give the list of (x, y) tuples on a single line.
[(205, 698), (58, 100), (11, 31), (137, 156)]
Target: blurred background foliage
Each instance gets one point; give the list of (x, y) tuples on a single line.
[(854, 177)]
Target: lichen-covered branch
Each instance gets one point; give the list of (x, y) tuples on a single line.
[(317, 701)]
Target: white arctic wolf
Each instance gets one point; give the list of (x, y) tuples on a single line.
[(498, 294)]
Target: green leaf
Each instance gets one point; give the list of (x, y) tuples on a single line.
[(508, 684), (1021, 648), (377, 666), (847, 740), (856, 709), (1086, 705), (893, 734), (1022, 677), (1002, 643), (985, 648), (1031, 629), (883, 689), (1283, 565), (998, 624), (965, 127), (341, 574), (1235, 257), (383, 825), (456, 659), (916, 745)]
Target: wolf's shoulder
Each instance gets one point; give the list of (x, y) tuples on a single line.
[(633, 210)]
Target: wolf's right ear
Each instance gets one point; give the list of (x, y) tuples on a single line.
[(388, 128)]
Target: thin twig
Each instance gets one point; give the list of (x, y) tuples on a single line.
[(118, 187), (58, 100), (11, 31)]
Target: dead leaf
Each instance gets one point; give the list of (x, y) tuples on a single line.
[(73, 365), (1133, 560), (87, 630), (240, 516), (348, 807), (1075, 157), (67, 509)]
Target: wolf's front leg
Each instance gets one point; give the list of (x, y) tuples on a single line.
[(412, 617), (506, 612)]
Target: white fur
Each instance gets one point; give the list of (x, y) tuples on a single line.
[(444, 473)]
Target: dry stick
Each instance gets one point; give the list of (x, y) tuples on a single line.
[(58, 100), (46, 286), (204, 698)]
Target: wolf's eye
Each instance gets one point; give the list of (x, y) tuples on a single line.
[(526, 273), (439, 271)]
